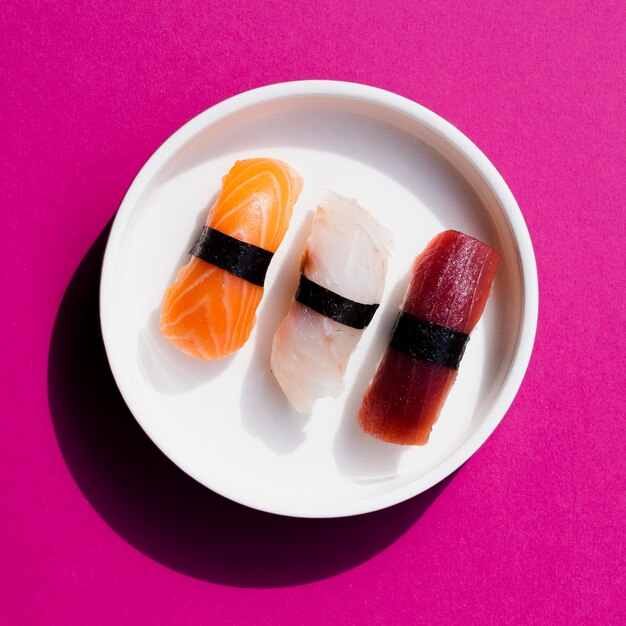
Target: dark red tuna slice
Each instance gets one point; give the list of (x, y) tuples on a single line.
[(450, 284)]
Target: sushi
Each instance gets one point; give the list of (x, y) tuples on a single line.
[(450, 283), (342, 278), (210, 309)]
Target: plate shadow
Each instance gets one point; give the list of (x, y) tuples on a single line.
[(160, 510)]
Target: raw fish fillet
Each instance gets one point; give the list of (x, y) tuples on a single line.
[(208, 312), (450, 284), (346, 253)]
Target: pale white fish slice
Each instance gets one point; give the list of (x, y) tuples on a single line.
[(346, 253)]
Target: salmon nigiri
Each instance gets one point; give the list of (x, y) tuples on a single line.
[(450, 284), (210, 309)]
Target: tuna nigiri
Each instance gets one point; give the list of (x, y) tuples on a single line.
[(210, 309), (450, 283), (342, 279)]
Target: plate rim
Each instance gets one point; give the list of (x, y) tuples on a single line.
[(471, 153)]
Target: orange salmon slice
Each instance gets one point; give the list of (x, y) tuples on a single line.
[(208, 312)]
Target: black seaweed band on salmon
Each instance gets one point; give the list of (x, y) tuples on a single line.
[(332, 305), (239, 258), (428, 341)]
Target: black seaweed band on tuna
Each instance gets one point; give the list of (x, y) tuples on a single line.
[(239, 258), (428, 341), (332, 305)]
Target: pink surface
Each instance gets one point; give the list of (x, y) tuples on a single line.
[(97, 527)]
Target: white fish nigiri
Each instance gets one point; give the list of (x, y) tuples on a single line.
[(346, 254)]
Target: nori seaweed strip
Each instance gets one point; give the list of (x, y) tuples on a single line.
[(428, 341), (239, 258), (332, 305)]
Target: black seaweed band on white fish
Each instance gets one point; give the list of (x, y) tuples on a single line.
[(428, 341), (332, 305), (239, 258)]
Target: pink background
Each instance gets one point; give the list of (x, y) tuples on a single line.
[(97, 527)]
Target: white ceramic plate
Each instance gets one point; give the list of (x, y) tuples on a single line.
[(227, 423)]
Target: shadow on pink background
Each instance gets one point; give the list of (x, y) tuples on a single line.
[(99, 528)]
